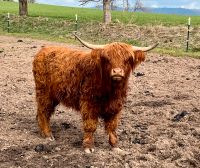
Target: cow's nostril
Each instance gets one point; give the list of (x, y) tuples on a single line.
[(117, 70), (117, 74)]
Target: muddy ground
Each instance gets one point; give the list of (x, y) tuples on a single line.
[(160, 125)]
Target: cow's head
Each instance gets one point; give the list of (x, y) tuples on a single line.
[(118, 59)]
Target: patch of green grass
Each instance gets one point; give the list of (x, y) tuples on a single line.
[(141, 18), (89, 14), (67, 13), (179, 52), (132, 42), (50, 28)]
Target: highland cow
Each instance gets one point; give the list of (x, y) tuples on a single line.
[(93, 82)]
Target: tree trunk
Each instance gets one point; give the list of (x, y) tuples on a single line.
[(23, 8), (106, 11), (127, 5), (112, 5)]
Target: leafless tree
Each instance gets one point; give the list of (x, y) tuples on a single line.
[(139, 6), (112, 5), (106, 8), (23, 7), (125, 5), (31, 1)]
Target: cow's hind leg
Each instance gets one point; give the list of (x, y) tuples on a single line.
[(46, 108)]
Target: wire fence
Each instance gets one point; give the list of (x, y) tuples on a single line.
[(168, 37)]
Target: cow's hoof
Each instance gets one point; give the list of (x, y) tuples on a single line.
[(89, 150), (119, 151), (51, 138)]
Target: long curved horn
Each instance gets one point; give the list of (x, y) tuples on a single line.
[(88, 45), (145, 49)]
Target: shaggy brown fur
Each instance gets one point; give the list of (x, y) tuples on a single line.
[(83, 81)]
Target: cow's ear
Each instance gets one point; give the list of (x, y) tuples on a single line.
[(139, 56)]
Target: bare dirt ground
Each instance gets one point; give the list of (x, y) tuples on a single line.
[(160, 125)]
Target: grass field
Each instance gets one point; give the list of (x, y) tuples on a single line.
[(86, 14), (57, 22)]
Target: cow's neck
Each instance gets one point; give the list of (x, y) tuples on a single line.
[(114, 89)]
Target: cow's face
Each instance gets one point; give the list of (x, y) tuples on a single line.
[(117, 60)]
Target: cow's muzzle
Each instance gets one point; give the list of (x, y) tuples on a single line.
[(117, 74)]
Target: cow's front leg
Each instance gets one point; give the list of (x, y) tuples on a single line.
[(111, 123), (90, 120), (89, 126)]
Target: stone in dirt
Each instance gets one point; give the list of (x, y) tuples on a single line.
[(42, 148), (139, 74), (1, 50), (179, 116), (19, 40)]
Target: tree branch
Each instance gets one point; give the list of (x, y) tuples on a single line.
[(84, 2)]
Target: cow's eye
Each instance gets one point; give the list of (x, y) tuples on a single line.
[(105, 60), (129, 60)]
